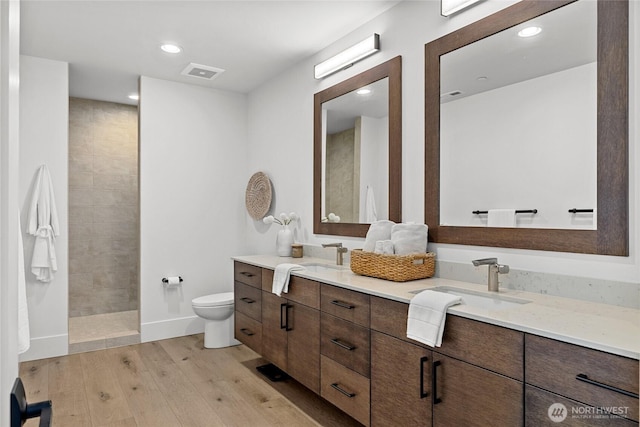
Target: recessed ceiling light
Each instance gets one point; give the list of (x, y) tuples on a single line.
[(482, 78), (364, 91), (529, 31), (134, 96), (171, 48)]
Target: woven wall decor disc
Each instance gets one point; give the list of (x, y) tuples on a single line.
[(258, 195)]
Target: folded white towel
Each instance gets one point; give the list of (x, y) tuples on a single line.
[(384, 247), (427, 312), (281, 277), (410, 238), (379, 230), (501, 218)]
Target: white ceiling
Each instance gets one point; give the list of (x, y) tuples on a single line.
[(108, 44)]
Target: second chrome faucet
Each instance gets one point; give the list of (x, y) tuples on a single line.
[(494, 270)]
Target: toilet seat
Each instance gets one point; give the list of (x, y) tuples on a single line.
[(213, 300)]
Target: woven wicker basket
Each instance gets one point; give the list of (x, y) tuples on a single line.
[(398, 268)]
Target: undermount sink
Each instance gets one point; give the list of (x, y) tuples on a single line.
[(479, 299), (317, 267)]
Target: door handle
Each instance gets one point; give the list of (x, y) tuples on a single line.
[(434, 382), (423, 393)]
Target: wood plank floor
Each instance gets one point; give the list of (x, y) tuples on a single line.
[(175, 382)]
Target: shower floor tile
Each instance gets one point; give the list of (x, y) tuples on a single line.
[(100, 331)]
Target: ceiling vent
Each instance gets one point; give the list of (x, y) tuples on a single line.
[(202, 71)]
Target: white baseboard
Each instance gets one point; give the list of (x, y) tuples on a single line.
[(171, 328), (45, 347)]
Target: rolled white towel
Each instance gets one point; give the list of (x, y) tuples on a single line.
[(384, 247), (410, 238), (379, 230)]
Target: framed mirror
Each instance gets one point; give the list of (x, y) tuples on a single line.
[(556, 161), (357, 149)]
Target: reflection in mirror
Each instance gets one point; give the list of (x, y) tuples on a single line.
[(355, 162), (518, 123), (357, 152), (608, 233)]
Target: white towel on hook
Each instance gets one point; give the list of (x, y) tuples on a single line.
[(371, 215), (427, 313), (43, 223), (281, 277), (24, 334), (501, 218)]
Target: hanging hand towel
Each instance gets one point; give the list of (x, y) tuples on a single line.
[(501, 218), (43, 223), (281, 277), (24, 335), (371, 215), (427, 312)]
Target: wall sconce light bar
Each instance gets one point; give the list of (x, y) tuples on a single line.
[(449, 7), (348, 57)]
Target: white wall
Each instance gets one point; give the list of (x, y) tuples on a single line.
[(287, 103), (9, 137), (44, 124), (495, 155), (192, 169), (374, 165)]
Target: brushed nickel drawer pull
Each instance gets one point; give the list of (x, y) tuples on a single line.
[(343, 391), (247, 274), (247, 332), (247, 300), (586, 379), (343, 304), (344, 345)]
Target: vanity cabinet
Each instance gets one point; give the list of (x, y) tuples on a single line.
[(345, 351), (473, 379), (585, 377), (291, 329)]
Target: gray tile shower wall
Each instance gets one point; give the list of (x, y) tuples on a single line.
[(103, 207)]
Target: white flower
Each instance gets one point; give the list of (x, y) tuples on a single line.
[(283, 218)]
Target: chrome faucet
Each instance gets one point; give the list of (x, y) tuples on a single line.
[(340, 250), (494, 270)]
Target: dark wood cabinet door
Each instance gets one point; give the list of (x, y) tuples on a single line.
[(469, 396), (274, 338), (304, 345), (400, 382)]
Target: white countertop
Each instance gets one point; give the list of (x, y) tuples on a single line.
[(603, 327)]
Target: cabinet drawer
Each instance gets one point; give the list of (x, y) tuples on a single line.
[(248, 331), (556, 366), (346, 304), (247, 274), (301, 290), (346, 389), (573, 414), (346, 343), (491, 347), (248, 300)]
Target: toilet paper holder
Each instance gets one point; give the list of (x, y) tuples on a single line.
[(166, 280)]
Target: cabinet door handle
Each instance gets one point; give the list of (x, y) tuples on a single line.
[(284, 316), (586, 379), (343, 304), (247, 274), (434, 382), (247, 332), (342, 344), (343, 391), (248, 300), (423, 393)]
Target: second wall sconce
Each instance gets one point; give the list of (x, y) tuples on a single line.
[(348, 57)]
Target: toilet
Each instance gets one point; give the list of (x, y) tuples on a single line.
[(217, 312)]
